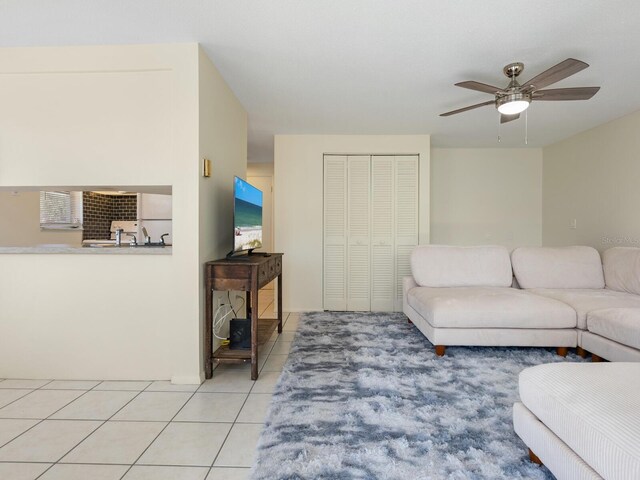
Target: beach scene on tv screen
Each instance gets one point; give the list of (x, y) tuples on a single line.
[(248, 216)]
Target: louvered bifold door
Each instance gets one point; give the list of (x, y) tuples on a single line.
[(335, 233), (358, 233), (382, 237), (406, 218)]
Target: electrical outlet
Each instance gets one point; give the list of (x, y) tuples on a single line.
[(573, 224)]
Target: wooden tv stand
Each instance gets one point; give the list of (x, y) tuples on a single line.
[(248, 274)]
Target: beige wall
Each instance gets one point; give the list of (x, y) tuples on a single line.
[(486, 196), (260, 170), (20, 222), (223, 140), (594, 178), (298, 174), (112, 115)]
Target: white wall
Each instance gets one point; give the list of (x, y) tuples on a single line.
[(20, 222), (298, 177), (594, 178), (112, 115), (486, 196)]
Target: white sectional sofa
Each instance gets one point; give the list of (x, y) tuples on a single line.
[(567, 298), (463, 296), (614, 333), (581, 420), (605, 294)]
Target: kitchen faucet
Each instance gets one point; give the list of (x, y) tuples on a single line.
[(147, 238), (119, 236)]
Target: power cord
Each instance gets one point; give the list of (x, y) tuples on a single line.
[(219, 322)]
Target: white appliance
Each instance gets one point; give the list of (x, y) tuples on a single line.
[(154, 214)]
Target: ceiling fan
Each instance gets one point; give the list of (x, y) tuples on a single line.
[(515, 98)]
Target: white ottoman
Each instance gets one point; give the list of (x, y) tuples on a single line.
[(582, 420)]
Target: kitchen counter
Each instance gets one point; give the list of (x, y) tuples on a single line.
[(71, 249)]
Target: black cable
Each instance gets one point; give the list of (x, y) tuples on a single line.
[(231, 304)]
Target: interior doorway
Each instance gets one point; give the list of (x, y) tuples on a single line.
[(265, 184)]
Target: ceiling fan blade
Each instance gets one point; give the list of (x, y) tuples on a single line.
[(509, 118), (479, 87), (471, 107), (554, 74), (555, 94)]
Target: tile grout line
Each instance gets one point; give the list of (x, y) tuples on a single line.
[(228, 433), (90, 433), (160, 433), (145, 389), (42, 419), (13, 401), (235, 421)]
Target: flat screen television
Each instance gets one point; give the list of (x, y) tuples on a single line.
[(247, 216)]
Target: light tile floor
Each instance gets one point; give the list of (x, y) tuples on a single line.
[(111, 430)]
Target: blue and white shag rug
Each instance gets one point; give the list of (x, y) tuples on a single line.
[(363, 396)]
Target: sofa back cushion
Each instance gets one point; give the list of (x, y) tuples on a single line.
[(448, 266), (561, 267), (622, 269)]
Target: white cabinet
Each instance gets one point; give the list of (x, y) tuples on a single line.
[(370, 229)]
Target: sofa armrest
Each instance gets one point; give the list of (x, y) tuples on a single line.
[(407, 284)]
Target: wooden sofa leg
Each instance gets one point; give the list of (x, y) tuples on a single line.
[(534, 458), (595, 358), (440, 349), (562, 351), (581, 352)]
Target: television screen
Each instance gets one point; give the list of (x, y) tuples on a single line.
[(247, 216)]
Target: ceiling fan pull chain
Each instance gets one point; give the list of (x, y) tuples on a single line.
[(499, 139), (526, 127)]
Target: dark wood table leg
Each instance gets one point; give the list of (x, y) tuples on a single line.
[(254, 327), (208, 329), (280, 303)]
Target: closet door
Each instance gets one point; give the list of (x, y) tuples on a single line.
[(382, 236), (335, 233), (406, 218), (358, 233)]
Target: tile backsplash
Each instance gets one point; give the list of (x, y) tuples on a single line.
[(99, 210)]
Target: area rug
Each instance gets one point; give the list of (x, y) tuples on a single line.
[(363, 396)]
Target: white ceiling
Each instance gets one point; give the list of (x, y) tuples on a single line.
[(371, 67)]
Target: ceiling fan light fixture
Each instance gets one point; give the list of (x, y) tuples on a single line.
[(513, 103)]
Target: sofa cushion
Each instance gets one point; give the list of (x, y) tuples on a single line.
[(584, 301), (593, 408), (621, 325), (562, 267), (622, 269), (448, 266), (489, 307)]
